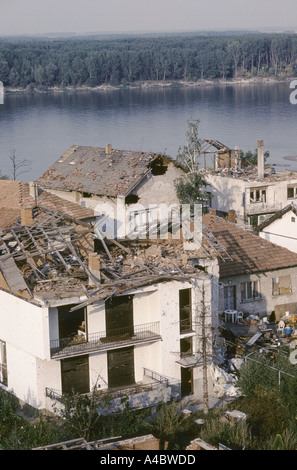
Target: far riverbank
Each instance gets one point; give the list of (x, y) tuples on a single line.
[(151, 84)]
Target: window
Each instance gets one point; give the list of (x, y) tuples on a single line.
[(291, 192), (281, 285), (250, 290), (292, 219), (257, 195), (185, 310), (3, 363)]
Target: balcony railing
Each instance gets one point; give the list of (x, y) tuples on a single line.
[(116, 338), (152, 382)]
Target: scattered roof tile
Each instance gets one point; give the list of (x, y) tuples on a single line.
[(16, 194), (92, 170)]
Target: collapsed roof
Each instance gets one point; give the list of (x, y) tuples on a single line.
[(49, 259), (15, 195)]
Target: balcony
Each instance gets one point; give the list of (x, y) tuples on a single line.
[(256, 208), (153, 390), (117, 338), (188, 359)]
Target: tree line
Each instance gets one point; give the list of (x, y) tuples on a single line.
[(128, 60)]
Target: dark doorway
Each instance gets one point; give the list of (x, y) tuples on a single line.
[(121, 367), (71, 324), (119, 315), (75, 374), (186, 381)]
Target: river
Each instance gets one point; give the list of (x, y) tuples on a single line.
[(41, 127)]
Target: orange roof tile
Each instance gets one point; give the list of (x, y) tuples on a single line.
[(15, 194), (249, 252)]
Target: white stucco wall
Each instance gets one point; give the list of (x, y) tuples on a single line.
[(24, 325), (234, 193), (282, 231), (227, 192)]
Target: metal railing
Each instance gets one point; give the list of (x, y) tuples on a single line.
[(158, 382), (104, 340), (156, 376)]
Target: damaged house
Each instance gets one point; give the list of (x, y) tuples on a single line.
[(135, 318), (128, 186), (260, 278), (253, 192)]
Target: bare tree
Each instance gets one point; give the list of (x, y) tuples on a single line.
[(18, 166)]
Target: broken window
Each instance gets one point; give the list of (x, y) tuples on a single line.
[(72, 325), (185, 310), (3, 364), (186, 346), (291, 192), (250, 290), (257, 195), (281, 285)]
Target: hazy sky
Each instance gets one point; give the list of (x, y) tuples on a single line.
[(80, 16)]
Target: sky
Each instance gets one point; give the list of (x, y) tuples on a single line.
[(33, 17)]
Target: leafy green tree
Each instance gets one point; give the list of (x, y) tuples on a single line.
[(191, 188), (251, 158)]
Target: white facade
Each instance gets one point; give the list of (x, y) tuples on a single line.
[(282, 231), (250, 197), (154, 193), (29, 330)]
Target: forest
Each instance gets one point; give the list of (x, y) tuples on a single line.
[(45, 62)]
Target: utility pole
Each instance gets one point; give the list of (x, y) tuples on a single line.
[(204, 355)]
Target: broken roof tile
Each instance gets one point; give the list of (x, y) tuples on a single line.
[(99, 173)]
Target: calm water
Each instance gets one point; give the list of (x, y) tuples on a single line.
[(42, 127)]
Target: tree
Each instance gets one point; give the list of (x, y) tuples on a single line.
[(190, 189), (251, 158), (17, 165)]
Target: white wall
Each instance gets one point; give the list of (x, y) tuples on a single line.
[(228, 193), (282, 231), (24, 325), (233, 193)]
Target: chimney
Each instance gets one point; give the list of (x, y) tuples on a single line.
[(231, 216), (260, 160), (26, 216), (33, 189), (108, 149), (94, 268)]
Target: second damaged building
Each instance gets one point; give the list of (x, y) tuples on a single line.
[(136, 318)]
